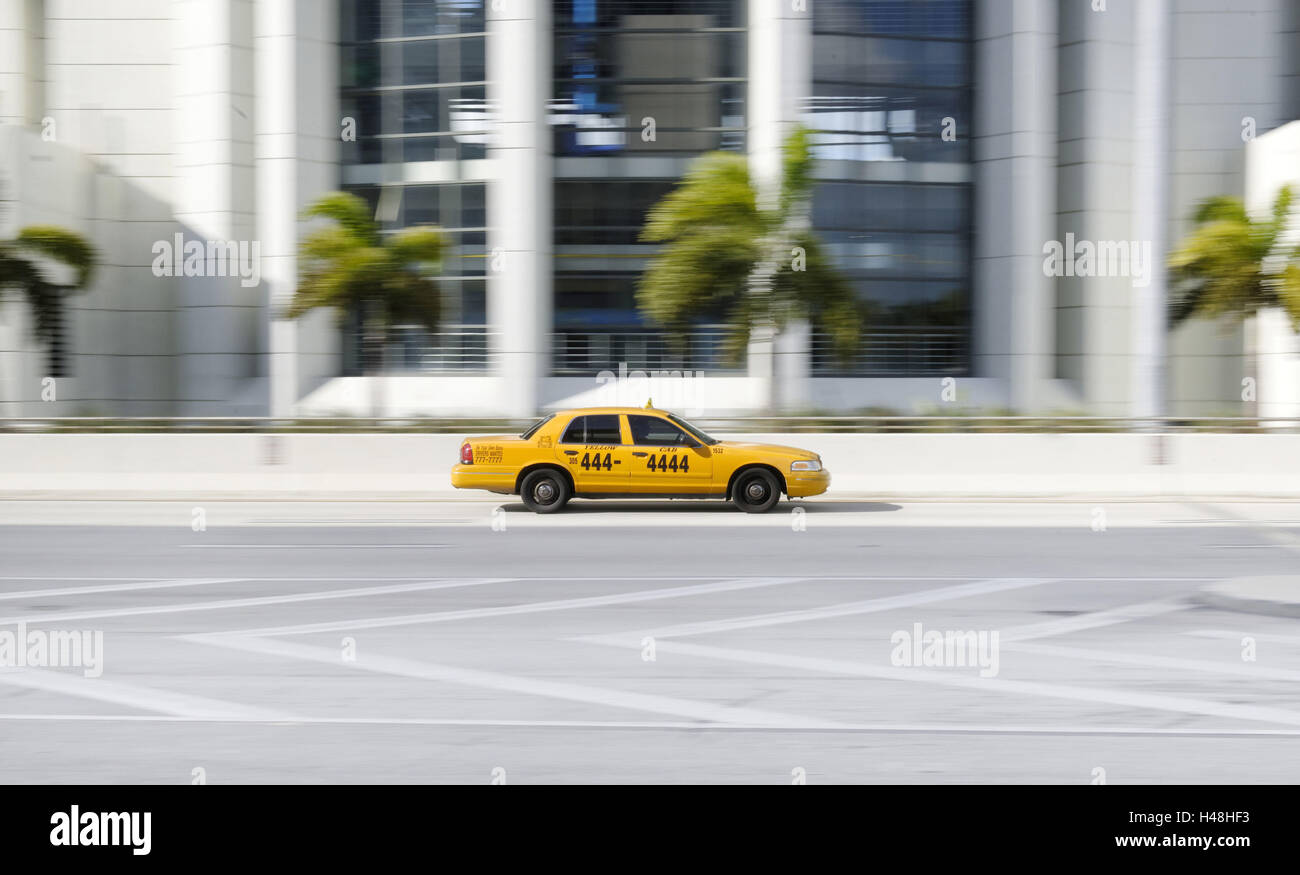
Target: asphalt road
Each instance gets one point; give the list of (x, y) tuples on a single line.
[(468, 641)]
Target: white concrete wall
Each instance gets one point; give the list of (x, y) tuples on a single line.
[(459, 395), (1273, 161), (885, 465), (154, 105), (1230, 63), (119, 334)]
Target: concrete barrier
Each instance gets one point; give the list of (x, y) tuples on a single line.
[(885, 465)]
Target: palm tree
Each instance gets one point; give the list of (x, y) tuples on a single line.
[(1233, 265), (352, 267), (23, 269), (761, 267)]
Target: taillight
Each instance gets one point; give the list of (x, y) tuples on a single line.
[(466, 454)]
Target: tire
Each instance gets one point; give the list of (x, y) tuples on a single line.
[(545, 491), (756, 491)]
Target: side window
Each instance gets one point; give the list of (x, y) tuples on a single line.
[(599, 429), (575, 433), (603, 429), (651, 431)]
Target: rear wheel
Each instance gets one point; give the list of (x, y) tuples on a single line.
[(756, 491), (544, 491)]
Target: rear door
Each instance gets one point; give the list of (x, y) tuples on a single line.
[(666, 459), (591, 448)]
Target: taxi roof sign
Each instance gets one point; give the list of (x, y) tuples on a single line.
[(649, 404)]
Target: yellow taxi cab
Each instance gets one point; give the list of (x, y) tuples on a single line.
[(631, 452)]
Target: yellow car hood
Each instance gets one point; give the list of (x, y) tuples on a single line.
[(776, 449)]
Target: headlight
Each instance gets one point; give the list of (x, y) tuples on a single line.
[(806, 465)]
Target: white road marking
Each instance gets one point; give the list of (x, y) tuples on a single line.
[(1266, 637), (844, 609), (1149, 701), (134, 696), (676, 726), (42, 618), (1243, 669), (117, 587), (1094, 620), (489, 680), (314, 546), (643, 595)]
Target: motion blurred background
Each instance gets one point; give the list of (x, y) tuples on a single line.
[(952, 142)]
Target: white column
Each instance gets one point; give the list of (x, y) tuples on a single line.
[(22, 74), (520, 266), (297, 152), (1015, 189), (780, 83), (1151, 116), (213, 196)]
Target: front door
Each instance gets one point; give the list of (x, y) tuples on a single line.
[(666, 459)]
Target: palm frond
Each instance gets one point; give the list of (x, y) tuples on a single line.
[(349, 212), (797, 168), (716, 191)]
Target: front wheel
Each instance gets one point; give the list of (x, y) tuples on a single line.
[(756, 491), (544, 491)]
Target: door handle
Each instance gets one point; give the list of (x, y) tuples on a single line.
[(570, 452), (639, 455)]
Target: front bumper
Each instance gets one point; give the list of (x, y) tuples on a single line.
[(801, 484)]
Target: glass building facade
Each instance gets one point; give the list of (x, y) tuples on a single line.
[(644, 85), (640, 88), (413, 76), (895, 204)]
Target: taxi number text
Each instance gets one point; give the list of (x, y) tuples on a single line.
[(669, 463), (594, 461)]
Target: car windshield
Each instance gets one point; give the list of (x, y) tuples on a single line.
[(532, 429), (695, 432)]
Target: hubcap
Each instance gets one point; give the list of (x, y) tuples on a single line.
[(545, 492), (756, 491)]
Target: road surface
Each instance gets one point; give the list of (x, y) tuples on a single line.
[(468, 641)]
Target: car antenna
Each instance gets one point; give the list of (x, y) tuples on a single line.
[(649, 404)]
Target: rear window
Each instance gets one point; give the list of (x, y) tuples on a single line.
[(595, 429), (532, 429)]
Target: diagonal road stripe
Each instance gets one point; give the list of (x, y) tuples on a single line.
[(489, 680), (1147, 701), (135, 696), (845, 609), (1094, 620), (118, 587), (42, 618), (643, 595), (1201, 666)]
